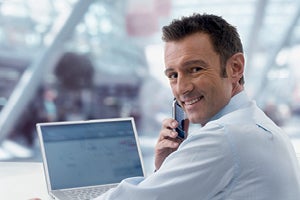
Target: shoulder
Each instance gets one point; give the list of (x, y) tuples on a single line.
[(211, 140)]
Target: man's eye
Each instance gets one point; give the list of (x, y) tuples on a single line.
[(196, 69), (172, 75)]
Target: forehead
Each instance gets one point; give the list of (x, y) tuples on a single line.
[(197, 46)]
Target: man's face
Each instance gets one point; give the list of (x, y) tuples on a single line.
[(194, 71)]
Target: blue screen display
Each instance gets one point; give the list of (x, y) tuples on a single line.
[(98, 153)]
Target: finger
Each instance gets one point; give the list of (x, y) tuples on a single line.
[(167, 134), (167, 144), (169, 123), (168, 127)]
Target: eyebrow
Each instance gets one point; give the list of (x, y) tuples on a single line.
[(195, 62)]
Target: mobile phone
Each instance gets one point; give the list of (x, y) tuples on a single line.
[(179, 115)]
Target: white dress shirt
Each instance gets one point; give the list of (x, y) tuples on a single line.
[(240, 154)]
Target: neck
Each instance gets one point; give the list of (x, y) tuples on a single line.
[(237, 89)]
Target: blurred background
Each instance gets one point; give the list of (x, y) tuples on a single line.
[(64, 60)]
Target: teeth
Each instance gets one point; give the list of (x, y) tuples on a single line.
[(192, 101)]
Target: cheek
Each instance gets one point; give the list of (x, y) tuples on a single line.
[(218, 92), (220, 83), (221, 94)]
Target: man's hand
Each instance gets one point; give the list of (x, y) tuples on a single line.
[(167, 142)]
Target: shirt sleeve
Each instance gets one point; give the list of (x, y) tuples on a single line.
[(202, 168)]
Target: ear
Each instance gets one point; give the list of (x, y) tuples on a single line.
[(235, 67)]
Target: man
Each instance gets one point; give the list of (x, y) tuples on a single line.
[(237, 152)]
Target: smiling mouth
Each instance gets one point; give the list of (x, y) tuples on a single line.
[(193, 101)]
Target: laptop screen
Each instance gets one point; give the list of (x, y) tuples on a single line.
[(90, 153)]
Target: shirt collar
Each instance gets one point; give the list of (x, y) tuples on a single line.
[(238, 101)]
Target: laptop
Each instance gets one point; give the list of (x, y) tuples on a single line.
[(88, 157)]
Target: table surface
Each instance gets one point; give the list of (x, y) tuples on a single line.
[(22, 181), (25, 180)]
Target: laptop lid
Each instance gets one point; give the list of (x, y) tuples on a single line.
[(89, 153)]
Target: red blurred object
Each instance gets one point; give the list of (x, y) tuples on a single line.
[(141, 23), (142, 19)]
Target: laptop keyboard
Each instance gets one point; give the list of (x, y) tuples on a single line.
[(87, 193)]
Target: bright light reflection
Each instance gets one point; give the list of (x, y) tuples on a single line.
[(154, 56), (13, 9), (279, 74), (282, 57), (105, 25)]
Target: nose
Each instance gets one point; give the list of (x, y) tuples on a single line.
[(184, 85)]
